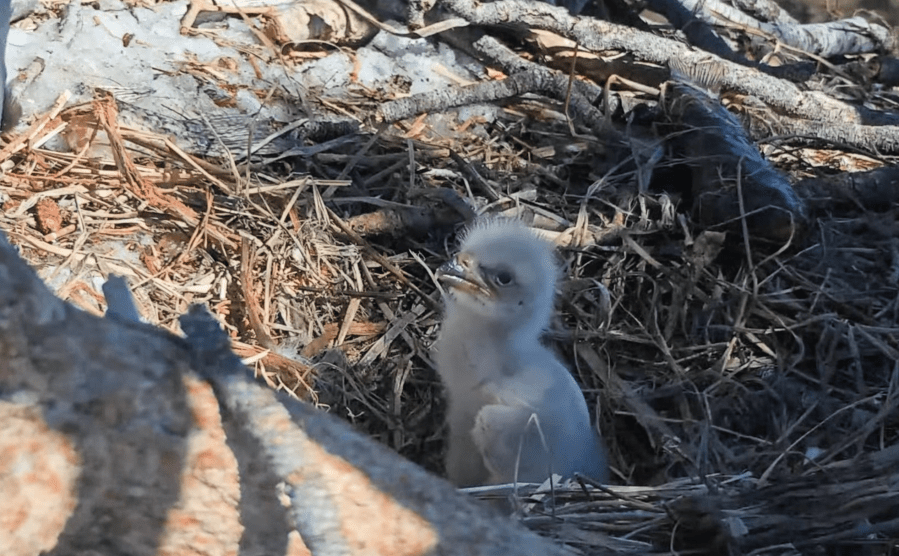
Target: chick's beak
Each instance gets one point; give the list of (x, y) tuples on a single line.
[(460, 274)]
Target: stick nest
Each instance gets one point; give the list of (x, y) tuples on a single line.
[(747, 391)]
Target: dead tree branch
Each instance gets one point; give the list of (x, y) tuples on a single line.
[(702, 67)]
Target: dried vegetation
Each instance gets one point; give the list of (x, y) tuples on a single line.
[(747, 388)]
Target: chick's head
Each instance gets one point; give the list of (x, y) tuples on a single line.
[(503, 273)]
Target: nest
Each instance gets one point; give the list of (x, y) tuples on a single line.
[(746, 388)]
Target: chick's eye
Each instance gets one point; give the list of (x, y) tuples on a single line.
[(502, 278)]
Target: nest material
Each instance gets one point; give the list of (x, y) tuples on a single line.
[(750, 390)]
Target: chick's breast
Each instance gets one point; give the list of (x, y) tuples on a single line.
[(538, 425)]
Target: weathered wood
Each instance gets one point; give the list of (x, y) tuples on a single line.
[(846, 36), (600, 36)]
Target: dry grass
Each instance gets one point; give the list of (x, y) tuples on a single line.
[(720, 371)]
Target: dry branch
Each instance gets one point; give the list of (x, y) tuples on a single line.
[(599, 36), (847, 36), (540, 80), (766, 10)]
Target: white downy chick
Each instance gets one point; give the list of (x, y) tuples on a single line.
[(515, 412)]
